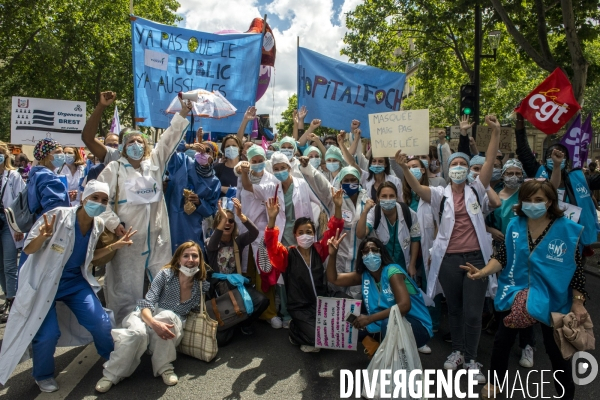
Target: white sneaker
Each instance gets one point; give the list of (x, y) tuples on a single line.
[(286, 324), (48, 385), (526, 360), (104, 385), (169, 378), (424, 349), (276, 323), (454, 360), (479, 377), (309, 349)]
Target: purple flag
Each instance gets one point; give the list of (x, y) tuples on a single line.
[(115, 126), (586, 137), (254, 133), (572, 141)]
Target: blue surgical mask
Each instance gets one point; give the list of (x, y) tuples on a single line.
[(350, 188), (58, 160), (416, 173), (387, 204), (376, 169), (135, 151), (282, 175), (94, 209), (372, 261), (2, 158), (550, 164), (472, 176), (425, 163), (458, 174), (258, 167), (497, 174), (232, 152), (289, 153), (534, 210), (333, 166), (315, 162), (120, 148), (69, 159), (191, 153), (327, 146), (269, 154)]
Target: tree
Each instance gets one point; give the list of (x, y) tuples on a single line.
[(285, 127), (71, 50)]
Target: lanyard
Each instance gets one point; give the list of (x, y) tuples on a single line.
[(308, 266)]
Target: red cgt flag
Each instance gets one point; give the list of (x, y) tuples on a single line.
[(551, 104)]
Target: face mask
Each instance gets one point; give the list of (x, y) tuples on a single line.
[(269, 154), (2, 158), (434, 165), (376, 169), (305, 241), (201, 158), (327, 146), (282, 175), (534, 210), (458, 174), (94, 209), (232, 152), (58, 160), (497, 174), (417, 173), (69, 159), (190, 153), (258, 167), (550, 164), (189, 272), (350, 188), (315, 162), (425, 163), (135, 151), (120, 148), (388, 204), (289, 153), (472, 176), (333, 166), (372, 261), (513, 182)]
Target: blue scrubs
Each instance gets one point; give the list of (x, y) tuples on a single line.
[(77, 294)]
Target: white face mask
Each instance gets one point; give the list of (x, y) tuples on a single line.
[(305, 241), (189, 272)]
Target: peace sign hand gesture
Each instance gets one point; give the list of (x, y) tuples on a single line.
[(47, 229), (334, 241), (125, 240), (472, 272)]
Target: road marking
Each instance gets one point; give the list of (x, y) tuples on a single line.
[(73, 374)]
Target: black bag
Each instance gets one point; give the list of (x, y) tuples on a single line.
[(405, 212), (227, 306), (18, 215)]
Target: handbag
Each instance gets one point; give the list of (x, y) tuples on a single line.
[(107, 237), (228, 309), (571, 336), (199, 335), (519, 318), (371, 346)]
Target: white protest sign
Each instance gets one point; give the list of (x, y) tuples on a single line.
[(35, 119), (572, 212), (331, 330), (399, 130)]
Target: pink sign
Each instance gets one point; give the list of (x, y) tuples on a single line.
[(331, 330)]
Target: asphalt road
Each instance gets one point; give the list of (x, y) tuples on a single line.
[(267, 366)]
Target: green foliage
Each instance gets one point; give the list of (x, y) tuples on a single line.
[(71, 50), (285, 127)]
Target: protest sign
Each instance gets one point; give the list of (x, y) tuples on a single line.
[(572, 212), (484, 134), (34, 119), (337, 92), (331, 329), (401, 130), (168, 60)]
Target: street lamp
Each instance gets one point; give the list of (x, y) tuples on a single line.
[(494, 39)]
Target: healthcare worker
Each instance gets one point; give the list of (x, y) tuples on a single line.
[(288, 147), (11, 184), (74, 170), (135, 182), (461, 238), (193, 173), (57, 280)]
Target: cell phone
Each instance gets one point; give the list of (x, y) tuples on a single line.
[(350, 317)]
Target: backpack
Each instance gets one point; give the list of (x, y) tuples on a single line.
[(18, 215), (405, 212), (444, 202)]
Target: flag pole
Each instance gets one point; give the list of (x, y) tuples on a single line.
[(264, 24), (131, 7)]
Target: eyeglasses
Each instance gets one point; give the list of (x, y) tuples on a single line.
[(518, 174), (368, 250)]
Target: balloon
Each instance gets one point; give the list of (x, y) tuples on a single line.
[(264, 78)]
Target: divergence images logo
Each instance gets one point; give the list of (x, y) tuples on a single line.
[(556, 250), (585, 368), (77, 108)]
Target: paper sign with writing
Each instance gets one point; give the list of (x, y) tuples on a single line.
[(331, 329), (572, 212), (484, 134), (401, 130)]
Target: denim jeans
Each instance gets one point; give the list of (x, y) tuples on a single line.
[(8, 260)]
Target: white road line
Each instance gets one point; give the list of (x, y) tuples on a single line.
[(72, 375)]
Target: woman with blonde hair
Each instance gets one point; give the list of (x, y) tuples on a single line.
[(157, 323), (73, 169)]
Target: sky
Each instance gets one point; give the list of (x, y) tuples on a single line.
[(320, 24)]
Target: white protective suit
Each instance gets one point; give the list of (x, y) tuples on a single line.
[(151, 248)]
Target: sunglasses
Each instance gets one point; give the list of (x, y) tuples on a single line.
[(368, 250)]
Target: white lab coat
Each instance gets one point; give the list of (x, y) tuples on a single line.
[(440, 243), (38, 282), (427, 223), (151, 248), (444, 154), (73, 180), (368, 184), (16, 184)]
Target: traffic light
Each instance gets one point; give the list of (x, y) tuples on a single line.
[(467, 99)]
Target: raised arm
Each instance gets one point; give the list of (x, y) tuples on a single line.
[(245, 174), (88, 135), (354, 128), (558, 157), (424, 192), (341, 138), (314, 124), (278, 253), (362, 230), (485, 176), (249, 115), (344, 279), (524, 153), (316, 141)]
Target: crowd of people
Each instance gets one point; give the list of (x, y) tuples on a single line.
[(307, 216)]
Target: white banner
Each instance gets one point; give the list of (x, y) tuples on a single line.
[(34, 119), (331, 330)]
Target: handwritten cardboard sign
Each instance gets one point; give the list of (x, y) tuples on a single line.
[(406, 130), (331, 330), (484, 134)]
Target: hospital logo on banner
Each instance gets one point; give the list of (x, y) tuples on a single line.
[(551, 104)]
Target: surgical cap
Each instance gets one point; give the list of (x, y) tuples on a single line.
[(477, 160), (44, 147), (95, 186), (255, 150), (310, 149), (349, 171), (279, 158), (458, 155)]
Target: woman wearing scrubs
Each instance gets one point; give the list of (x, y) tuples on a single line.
[(73, 169), (57, 279)]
